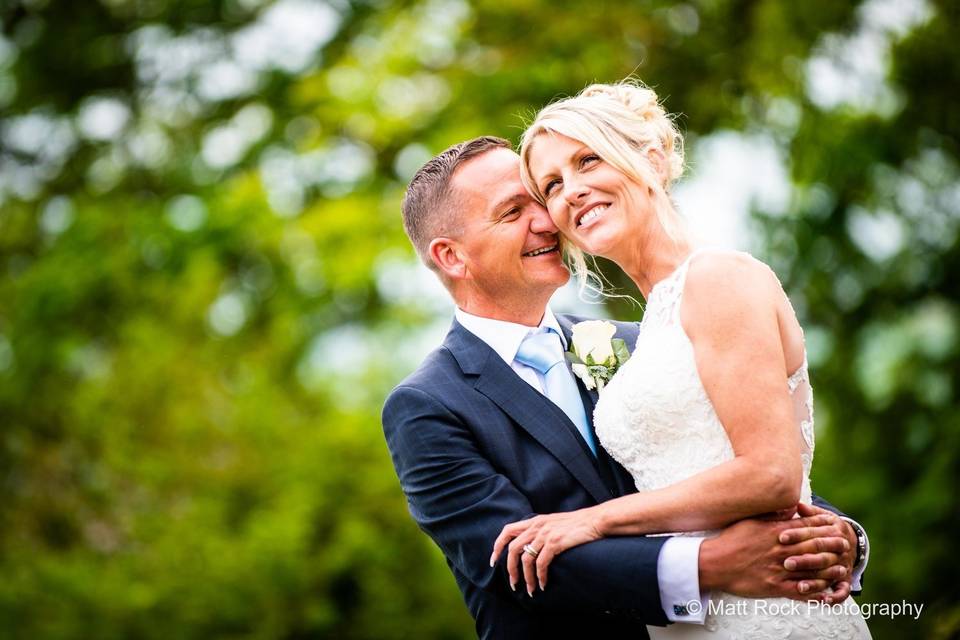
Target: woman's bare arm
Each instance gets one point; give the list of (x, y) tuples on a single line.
[(732, 311)]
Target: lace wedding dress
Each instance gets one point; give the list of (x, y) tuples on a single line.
[(654, 417)]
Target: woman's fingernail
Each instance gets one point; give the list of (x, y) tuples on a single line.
[(784, 538), (513, 586), (804, 587), (789, 564), (530, 591)]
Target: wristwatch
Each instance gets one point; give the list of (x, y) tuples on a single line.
[(861, 542)]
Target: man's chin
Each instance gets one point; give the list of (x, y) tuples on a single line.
[(557, 279), (553, 273)]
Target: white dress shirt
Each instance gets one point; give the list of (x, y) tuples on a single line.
[(678, 565), (506, 337)]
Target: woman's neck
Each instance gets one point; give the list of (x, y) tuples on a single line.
[(651, 259)]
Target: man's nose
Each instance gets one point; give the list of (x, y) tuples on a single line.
[(540, 221)]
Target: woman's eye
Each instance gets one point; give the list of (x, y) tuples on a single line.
[(588, 159), (549, 187)]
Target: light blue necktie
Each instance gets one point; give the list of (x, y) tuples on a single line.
[(544, 352)]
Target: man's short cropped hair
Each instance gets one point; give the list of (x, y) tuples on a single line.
[(430, 206)]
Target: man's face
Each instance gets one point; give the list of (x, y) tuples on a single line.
[(509, 244)]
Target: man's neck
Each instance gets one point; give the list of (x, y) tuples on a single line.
[(528, 315)]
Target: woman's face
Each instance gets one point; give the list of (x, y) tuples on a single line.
[(593, 204)]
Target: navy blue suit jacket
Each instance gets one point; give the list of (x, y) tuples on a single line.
[(475, 448)]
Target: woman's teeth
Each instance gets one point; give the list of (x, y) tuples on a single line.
[(593, 213)]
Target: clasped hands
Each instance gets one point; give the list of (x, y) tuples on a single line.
[(805, 558)]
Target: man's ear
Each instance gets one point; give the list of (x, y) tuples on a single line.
[(446, 254)]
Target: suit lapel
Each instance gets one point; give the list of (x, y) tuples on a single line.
[(544, 421)]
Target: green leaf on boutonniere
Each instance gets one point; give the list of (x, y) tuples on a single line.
[(572, 358), (620, 350)]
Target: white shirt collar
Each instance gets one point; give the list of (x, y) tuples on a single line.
[(505, 337)]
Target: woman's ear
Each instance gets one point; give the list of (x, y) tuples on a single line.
[(446, 255), (658, 162)]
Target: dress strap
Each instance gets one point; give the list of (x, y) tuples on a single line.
[(668, 293), (681, 272)]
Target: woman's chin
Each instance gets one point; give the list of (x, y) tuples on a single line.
[(598, 244)]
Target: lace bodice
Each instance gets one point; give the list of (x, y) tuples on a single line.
[(655, 418)]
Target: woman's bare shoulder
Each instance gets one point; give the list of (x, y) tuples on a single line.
[(715, 274)]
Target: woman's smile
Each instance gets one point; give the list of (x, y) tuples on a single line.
[(589, 214)]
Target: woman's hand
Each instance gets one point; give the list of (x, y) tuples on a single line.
[(549, 535)]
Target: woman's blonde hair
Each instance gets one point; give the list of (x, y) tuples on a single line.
[(622, 123)]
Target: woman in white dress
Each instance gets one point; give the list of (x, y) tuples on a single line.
[(713, 413)]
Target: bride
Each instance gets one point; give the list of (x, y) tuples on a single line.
[(713, 413)]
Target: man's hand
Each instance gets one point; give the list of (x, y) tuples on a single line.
[(752, 558), (841, 589)]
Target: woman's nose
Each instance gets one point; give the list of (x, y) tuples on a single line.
[(574, 191)]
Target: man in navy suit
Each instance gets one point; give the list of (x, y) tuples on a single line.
[(476, 443)]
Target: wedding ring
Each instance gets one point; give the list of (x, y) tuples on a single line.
[(528, 548)]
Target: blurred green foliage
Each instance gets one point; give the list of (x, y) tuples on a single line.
[(205, 291)]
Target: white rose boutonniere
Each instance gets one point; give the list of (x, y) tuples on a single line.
[(595, 355)]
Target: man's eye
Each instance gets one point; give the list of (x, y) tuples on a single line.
[(512, 213)]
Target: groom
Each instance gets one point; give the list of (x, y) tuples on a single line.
[(478, 439)]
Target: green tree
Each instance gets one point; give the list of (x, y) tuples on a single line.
[(205, 291)]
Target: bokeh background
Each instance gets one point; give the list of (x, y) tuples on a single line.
[(206, 293)]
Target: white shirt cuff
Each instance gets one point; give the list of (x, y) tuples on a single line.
[(678, 572), (858, 570)]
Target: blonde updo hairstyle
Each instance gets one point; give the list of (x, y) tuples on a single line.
[(621, 123)]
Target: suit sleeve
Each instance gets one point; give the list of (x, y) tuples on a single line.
[(823, 504), (462, 502)]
